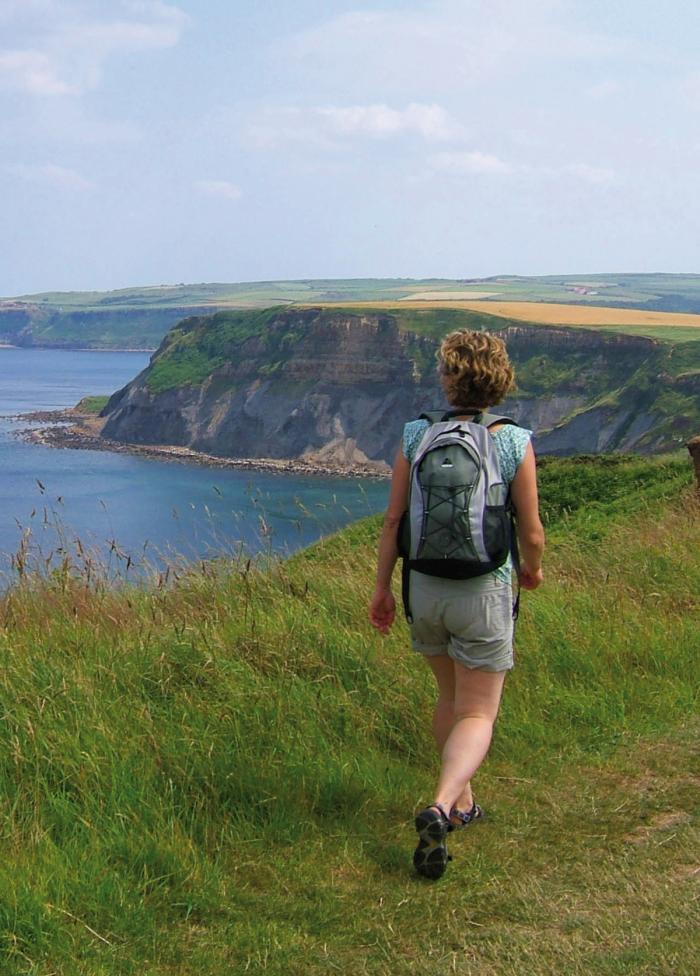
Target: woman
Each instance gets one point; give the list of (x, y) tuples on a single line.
[(464, 628)]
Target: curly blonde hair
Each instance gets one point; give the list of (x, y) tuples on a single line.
[(475, 369)]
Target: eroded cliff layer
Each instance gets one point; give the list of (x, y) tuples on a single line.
[(330, 383)]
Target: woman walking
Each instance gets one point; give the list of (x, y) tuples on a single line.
[(463, 627)]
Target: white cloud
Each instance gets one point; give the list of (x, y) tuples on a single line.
[(32, 72), (459, 164), (328, 126), (219, 188), (431, 122), (388, 51), (60, 177), (68, 43), (449, 46), (470, 163), (161, 28)]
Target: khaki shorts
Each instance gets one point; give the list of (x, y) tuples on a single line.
[(471, 620)]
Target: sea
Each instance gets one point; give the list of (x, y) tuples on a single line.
[(133, 517)]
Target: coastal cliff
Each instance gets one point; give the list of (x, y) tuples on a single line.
[(337, 385), (29, 324), (303, 383)]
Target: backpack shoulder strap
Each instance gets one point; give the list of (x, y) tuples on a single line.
[(433, 416), (485, 419), (491, 419)]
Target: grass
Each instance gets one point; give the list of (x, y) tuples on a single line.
[(583, 496), (200, 345), (666, 333), (91, 404), (216, 773)]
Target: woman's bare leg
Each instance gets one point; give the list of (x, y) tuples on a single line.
[(476, 701), (443, 667)]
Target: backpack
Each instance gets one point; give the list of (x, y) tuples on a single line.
[(459, 520)]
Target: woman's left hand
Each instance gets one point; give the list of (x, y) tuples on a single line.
[(382, 609)]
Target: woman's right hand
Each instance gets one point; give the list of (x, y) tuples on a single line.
[(530, 531), (382, 609)]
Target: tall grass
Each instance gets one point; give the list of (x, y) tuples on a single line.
[(216, 773)]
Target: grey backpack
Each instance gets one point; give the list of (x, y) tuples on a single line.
[(459, 521)]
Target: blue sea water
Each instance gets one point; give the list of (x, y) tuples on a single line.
[(126, 508)]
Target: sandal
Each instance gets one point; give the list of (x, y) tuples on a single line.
[(430, 856), (465, 817)]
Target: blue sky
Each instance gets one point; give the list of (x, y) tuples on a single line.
[(148, 142)]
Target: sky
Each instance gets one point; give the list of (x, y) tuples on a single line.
[(149, 142)]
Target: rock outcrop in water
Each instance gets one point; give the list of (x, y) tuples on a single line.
[(335, 385)]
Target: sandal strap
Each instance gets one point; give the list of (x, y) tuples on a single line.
[(466, 816), (440, 807)]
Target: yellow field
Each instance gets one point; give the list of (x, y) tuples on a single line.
[(550, 313), (447, 296)]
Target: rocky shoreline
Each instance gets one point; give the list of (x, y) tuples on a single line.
[(74, 429)]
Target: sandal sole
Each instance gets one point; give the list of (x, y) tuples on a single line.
[(430, 856)]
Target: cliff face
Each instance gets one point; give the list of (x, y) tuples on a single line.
[(16, 320), (28, 324), (341, 391), (339, 386), (590, 392)]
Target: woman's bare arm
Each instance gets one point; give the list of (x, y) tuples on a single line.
[(382, 610), (530, 531)]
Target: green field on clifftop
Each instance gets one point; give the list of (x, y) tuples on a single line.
[(139, 317), (217, 773), (674, 292)]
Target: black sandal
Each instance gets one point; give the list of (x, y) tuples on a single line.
[(430, 856), (465, 817)]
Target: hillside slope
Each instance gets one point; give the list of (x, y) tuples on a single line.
[(338, 384), (217, 774)]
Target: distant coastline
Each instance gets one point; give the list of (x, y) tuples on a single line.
[(71, 428), (95, 349), (10, 345)]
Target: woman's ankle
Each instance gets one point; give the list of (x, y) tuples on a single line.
[(465, 802)]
